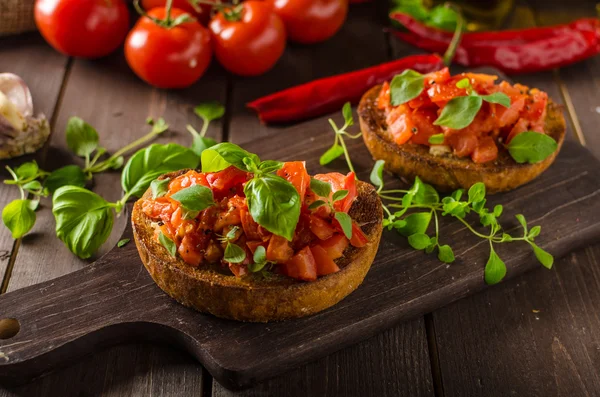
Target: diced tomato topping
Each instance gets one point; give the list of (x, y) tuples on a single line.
[(400, 124), (253, 245), (238, 270), (335, 246), (301, 266), (358, 239), (321, 228), (279, 249), (231, 216), (249, 225), (485, 151), (325, 265), (228, 181), (340, 182), (190, 178), (383, 101), (424, 128), (189, 252), (295, 173)]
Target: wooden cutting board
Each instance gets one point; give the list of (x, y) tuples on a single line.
[(114, 300)]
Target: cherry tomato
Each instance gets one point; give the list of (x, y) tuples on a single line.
[(168, 57), (248, 38), (311, 21), (198, 10), (82, 28)]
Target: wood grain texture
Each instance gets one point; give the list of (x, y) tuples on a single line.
[(106, 94)]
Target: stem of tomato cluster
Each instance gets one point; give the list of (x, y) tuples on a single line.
[(453, 46)]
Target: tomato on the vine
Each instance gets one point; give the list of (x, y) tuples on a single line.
[(167, 50), (248, 38), (200, 11), (311, 21), (82, 28)]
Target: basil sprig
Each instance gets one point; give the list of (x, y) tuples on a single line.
[(273, 202), (339, 144)]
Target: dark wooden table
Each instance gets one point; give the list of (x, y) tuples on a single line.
[(535, 335)]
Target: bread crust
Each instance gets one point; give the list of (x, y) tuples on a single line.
[(449, 172), (213, 289)]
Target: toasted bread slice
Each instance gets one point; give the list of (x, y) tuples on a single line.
[(213, 289), (449, 172)]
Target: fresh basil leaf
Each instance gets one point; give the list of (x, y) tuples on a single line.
[(84, 220), (345, 222), (477, 192), (406, 86), (67, 175), (495, 269), (224, 154), (159, 187), (320, 188), (82, 138), (270, 166), (210, 111), (347, 112), (531, 147), (416, 223), (522, 221), (425, 193), (316, 204), (445, 254), (168, 244), (442, 17), (123, 242), (200, 144), (18, 217), (274, 203), (497, 97), (331, 154), (377, 173), (534, 232), (33, 186), (260, 255), (194, 198), (34, 204), (234, 253), (27, 170), (339, 195), (419, 241), (436, 139), (542, 256), (149, 163), (459, 112)]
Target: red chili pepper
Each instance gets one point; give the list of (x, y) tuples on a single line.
[(512, 51), (329, 94)]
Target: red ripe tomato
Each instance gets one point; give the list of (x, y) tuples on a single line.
[(311, 21), (82, 28), (248, 38), (198, 10), (168, 57)]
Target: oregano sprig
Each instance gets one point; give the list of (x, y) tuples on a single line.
[(339, 145)]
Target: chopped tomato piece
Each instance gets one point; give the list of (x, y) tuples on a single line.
[(424, 128), (463, 144), (279, 249), (189, 252), (340, 182), (335, 246), (485, 151), (321, 228), (301, 266), (238, 270), (383, 100), (228, 181), (232, 215), (303, 235), (520, 126), (156, 209), (358, 239), (249, 225), (400, 124), (325, 265), (190, 178), (295, 173), (253, 245)]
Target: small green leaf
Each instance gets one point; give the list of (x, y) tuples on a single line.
[(194, 198), (497, 97), (419, 241), (159, 187), (316, 204), (210, 111), (544, 257), (531, 147), (347, 112), (486, 218), (425, 194), (446, 254), (479, 206), (123, 242), (320, 188), (331, 154), (168, 244), (442, 17), (522, 221), (534, 232), (506, 238), (377, 173), (33, 186), (477, 192), (260, 255), (200, 144), (457, 194), (416, 223), (495, 269), (68, 175), (406, 86), (339, 195), (498, 210), (234, 253), (436, 139), (270, 166), (232, 233), (27, 170), (459, 112), (18, 217), (345, 222), (82, 138), (464, 83), (224, 154)]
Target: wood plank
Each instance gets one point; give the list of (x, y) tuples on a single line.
[(106, 94), (367, 368), (534, 335), (42, 69)]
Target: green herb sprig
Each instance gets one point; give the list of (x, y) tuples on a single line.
[(233, 252), (208, 112), (339, 145), (323, 189)]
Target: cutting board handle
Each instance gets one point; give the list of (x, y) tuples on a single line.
[(53, 323)]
